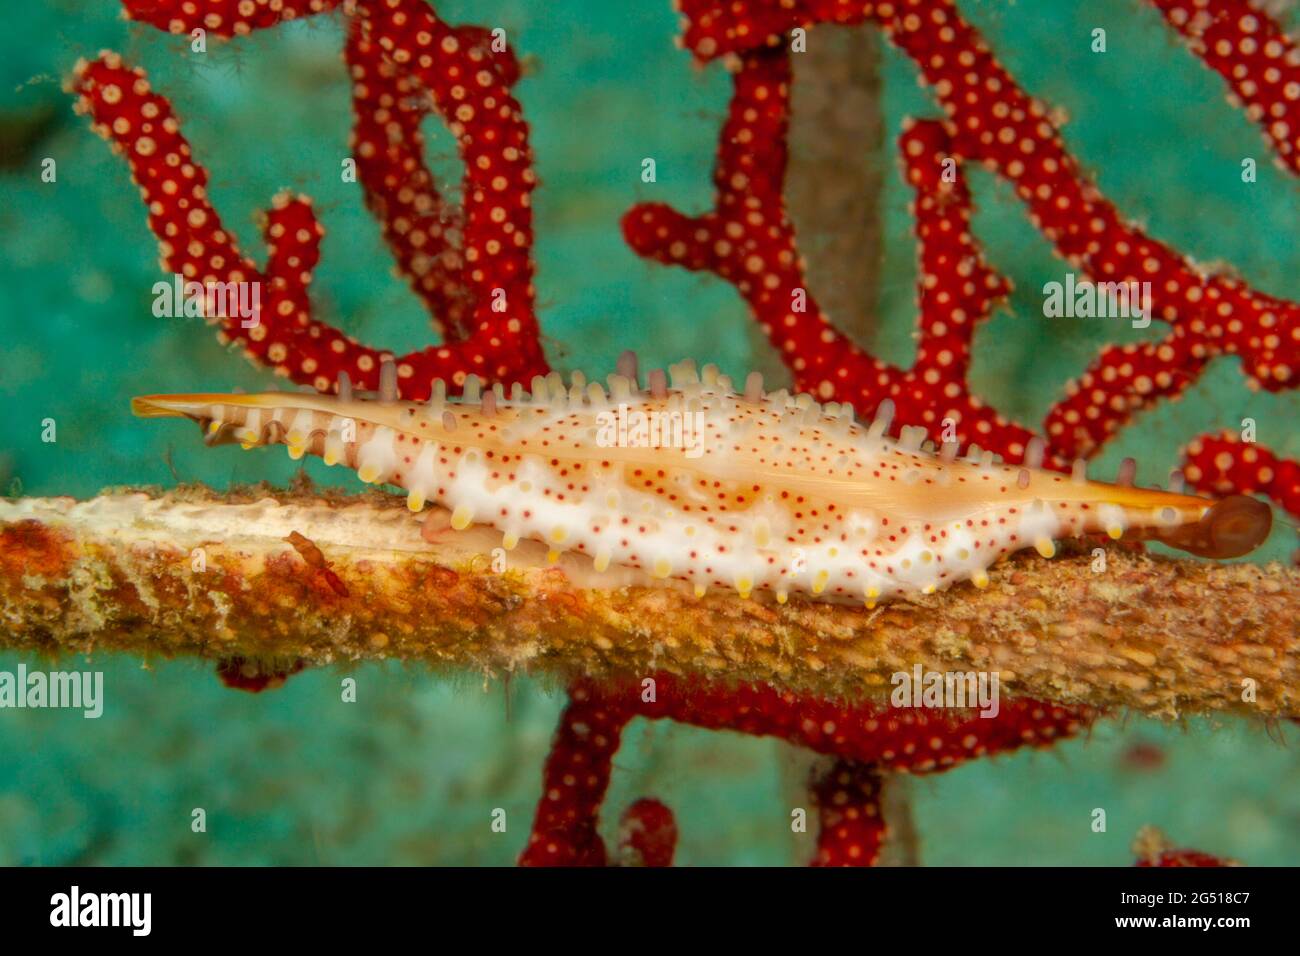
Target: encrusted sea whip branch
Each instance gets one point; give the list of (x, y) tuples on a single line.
[(191, 572)]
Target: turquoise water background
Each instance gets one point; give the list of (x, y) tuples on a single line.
[(412, 772)]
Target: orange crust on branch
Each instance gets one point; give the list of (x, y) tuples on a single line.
[(192, 572)]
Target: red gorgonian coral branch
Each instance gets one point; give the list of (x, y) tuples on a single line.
[(1224, 464), (424, 231), (749, 240), (647, 834), (224, 18), (850, 818), (990, 119), (1153, 849), (471, 265), (878, 737)]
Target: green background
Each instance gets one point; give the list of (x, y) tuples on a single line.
[(412, 771)]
